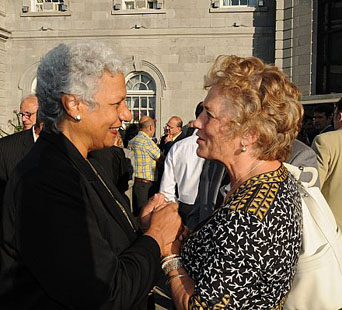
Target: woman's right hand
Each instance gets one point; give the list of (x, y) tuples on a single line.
[(165, 227)]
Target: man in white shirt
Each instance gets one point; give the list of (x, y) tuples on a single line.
[(182, 170)]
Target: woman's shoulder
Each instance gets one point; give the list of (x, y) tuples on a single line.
[(264, 193)]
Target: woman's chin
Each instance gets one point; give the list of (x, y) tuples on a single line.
[(201, 152)]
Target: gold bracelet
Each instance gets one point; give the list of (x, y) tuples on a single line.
[(175, 276)]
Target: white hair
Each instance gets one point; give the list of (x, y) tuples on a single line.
[(74, 68)]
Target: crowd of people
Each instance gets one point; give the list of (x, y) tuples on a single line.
[(93, 217)]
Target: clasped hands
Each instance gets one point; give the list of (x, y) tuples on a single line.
[(160, 220)]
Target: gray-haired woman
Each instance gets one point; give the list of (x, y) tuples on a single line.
[(68, 240)]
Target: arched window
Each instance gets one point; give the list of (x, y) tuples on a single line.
[(141, 95), (34, 86)]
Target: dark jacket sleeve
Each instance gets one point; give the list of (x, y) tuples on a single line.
[(76, 263)]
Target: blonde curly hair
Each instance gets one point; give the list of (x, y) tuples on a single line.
[(264, 102)]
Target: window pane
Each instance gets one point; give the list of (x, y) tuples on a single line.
[(144, 102), (135, 115), (145, 79), (235, 2), (243, 2), (152, 102), (129, 85), (129, 5), (152, 114), (142, 86), (252, 2), (128, 102), (136, 102)]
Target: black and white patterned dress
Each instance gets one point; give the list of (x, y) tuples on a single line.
[(245, 256)]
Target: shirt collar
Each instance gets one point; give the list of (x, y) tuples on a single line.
[(175, 137), (34, 134)]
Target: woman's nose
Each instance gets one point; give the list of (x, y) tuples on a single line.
[(124, 113)]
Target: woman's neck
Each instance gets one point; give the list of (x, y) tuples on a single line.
[(242, 171)]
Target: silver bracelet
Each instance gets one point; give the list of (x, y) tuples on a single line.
[(172, 264), (175, 276), (168, 257)]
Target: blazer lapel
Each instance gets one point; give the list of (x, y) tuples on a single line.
[(61, 142), (124, 218), (28, 142)]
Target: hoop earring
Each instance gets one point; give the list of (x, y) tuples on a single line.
[(243, 148), (78, 118)]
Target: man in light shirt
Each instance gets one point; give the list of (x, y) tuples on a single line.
[(146, 155), (182, 170)]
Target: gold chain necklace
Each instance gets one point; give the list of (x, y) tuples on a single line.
[(123, 210), (235, 186)]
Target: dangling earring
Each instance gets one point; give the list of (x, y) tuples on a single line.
[(243, 148), (78, 117)]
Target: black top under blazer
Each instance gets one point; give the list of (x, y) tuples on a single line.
[(64, 241)]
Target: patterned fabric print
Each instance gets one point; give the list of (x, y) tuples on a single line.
[(248, 251), (146, 152), (196, 303)]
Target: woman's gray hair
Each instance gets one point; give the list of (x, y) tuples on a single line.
[(76, 69)]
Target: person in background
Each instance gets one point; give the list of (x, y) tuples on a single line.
[(130, 132), (328, 147), (14, 147), (338, 115), (182, 170), (146, 156), (174, 133), (322, 119), (245, 254), (28, 111), (67, 237)]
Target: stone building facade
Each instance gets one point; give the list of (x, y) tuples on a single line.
[(167, 45), (308, 41)]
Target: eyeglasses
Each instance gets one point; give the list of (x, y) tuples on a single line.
[(27, 114)]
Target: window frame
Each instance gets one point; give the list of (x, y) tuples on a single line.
[(119, 7), (29, 9), (141, 94), (230, 5)]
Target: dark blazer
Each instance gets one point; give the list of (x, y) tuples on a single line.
[(167, 146), (13, 148), (65, 243), (113, 160)]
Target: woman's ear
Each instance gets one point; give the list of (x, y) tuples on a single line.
[(71, 105), (250, 136)]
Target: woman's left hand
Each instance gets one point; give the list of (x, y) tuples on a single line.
[(175, 246), (156, 202)]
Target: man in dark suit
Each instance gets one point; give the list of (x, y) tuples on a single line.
[(14, 147), (174, 133), (28, 111), (12, 150)]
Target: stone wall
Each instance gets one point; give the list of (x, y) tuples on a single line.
[(176, 44), (5, 110)]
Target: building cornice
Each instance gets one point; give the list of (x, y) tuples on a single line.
[(143, 32)]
